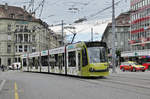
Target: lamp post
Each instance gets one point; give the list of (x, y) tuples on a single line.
[(62, 43), (92, 34)]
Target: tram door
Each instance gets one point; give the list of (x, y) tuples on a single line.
[(72, 66), (78, 62)]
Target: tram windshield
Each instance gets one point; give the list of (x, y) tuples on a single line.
[(97, 54)]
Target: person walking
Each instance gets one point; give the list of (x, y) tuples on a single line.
[(2, 67)]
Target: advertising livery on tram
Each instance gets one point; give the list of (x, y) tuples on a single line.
[(86, 59)]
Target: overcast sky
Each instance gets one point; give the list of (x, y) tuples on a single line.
[(70, 10)]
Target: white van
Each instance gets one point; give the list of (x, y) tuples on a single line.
[(15, 66)]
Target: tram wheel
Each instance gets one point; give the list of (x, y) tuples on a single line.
[(143, 70)]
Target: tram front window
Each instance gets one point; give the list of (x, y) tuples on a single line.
[(97, 54)]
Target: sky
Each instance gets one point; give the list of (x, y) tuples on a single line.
[(71, 10)]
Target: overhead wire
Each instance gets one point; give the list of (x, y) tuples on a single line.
[(43, 2), (92, 15), (97, 13)]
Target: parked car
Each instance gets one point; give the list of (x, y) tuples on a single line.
[(131, 66), (147, 65), (15, 66)]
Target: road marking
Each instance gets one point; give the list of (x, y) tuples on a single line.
[(16, 91), (2, 84)]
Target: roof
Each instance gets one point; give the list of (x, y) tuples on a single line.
[(121, 21), (18, 13), (13, 12)]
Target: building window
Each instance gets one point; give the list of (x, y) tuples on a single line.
[(9, 27), (16, 48), (21, 16), (15, 59), (26, 37), (9, 61), (34, 28), (20, 48), (9, 37), (29, 38), (8, 48), (25, 48), (12, 15), (21, 28), (20, 38), (19, 60), (33, 49), (17, 28), (33, 38), (26, 29)]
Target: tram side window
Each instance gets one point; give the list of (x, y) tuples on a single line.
[(72, 59), (33, 61), (44, 60), (56, 60), (52, 61), (84, 57), (30, 62), (61, 59), (36, 62)]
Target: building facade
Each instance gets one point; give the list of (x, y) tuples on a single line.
[(21, 32), (140, 29), (122, 31)]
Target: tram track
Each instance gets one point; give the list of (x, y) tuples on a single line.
[(135, 88), (119, 82), (126, 83), (144, 79), (132, 80)]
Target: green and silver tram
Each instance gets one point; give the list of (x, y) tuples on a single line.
[(86, 59)]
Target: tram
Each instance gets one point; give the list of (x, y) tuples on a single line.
[(85, 59)]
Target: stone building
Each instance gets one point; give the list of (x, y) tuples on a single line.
[(122, 30), (21, 32)]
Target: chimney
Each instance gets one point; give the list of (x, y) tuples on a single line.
[(6, 6), (24, 7)]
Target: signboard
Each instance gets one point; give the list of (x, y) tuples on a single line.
[(44, 53), (57, 50), (135, 53)]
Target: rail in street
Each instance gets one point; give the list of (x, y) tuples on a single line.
[(122, 85)]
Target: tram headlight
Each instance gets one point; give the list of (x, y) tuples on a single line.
[(91, 69)]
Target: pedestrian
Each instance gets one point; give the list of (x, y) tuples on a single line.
[(17, 67), (2, 67)]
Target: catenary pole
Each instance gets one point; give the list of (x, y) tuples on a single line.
[(62, 43), (113, 39), (92, 34)]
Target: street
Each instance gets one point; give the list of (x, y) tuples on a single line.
[(122, 85)]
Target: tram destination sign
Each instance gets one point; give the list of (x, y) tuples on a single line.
[(95, 44)]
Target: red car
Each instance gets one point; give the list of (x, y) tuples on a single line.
[(131, 66), (147, 65)]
